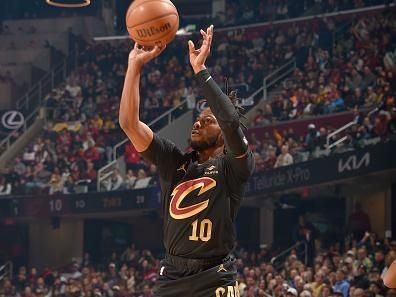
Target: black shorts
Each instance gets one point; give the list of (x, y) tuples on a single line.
[(180, 277)]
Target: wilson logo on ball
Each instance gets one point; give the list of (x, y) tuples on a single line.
[(153, 30)]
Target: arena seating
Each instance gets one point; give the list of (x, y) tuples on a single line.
[(84, 115), (245, 12), (352, 75), (354, 271), (88, 103)]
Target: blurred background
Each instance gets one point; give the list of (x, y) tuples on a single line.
[(79, 208)]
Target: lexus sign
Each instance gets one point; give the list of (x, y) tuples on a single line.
[(11, 120)]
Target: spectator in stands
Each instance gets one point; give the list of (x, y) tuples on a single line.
[(132, 157), (321, 139), (19, 167), (116, 181), (90, 175), (130, 179), (379, 260), (147, 291), (56, 182), (362, 259), (259, 119), (86, 260), (40, 177), (92, 153), (361, 279), (142, 179), (310, 138), (73, 88), (271, 159), (68, 187), (284, 159), (341, 285), (318, 285)]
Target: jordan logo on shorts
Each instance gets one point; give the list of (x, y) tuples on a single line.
[(221, 268)]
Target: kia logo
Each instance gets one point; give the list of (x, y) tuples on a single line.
[(354, 163), (12, 120)]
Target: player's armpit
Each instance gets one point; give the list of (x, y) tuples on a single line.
[(164, 154), (242, 167), (241, 156), (141, 136)]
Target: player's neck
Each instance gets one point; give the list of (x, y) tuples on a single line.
[(205, 155)]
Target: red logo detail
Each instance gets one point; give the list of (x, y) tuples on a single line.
[(182, 191)]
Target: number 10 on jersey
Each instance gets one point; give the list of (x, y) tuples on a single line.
[(201, 230)]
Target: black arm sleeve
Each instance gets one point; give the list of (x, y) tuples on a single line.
[(225, 113)]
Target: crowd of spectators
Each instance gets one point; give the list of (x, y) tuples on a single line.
[(359, 76), (245, 12), (82, 113), (353, 270), (242, 12), (283, 148), (358, 72)]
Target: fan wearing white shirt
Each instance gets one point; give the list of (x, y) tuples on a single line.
[(284, 159)]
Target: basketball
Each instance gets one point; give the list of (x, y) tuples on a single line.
[(152, 22)]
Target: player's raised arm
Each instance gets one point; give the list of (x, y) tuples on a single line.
[(221, 106), (138, 132)]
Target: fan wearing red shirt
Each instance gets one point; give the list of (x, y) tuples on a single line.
[(132, 157)]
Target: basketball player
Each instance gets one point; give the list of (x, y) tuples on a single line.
[(202, 190), (390, 276)]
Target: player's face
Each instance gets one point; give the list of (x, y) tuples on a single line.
[(206, 132)]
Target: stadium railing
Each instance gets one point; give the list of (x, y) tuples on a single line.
[(287, 251), (274, 77), (166, 118), (30, 103), (6, 270), (261, 95), (269, 81), (330, 145)]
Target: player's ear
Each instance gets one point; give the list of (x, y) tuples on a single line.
[(220, 139)]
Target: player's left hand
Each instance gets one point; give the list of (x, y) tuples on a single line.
[(198, 56)]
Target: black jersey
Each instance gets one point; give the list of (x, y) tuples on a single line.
[(200, 201)]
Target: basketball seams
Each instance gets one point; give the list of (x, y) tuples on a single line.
[(150, 20)]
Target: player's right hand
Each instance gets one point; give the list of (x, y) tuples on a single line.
[(141, 55)]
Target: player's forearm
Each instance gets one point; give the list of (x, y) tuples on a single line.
[(130, 99), (390, 276), (138, 132), (225, 113)]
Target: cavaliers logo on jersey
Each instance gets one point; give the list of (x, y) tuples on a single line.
[(182, 191)]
